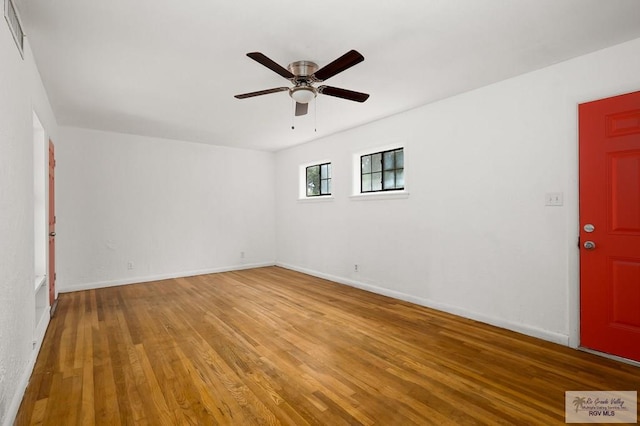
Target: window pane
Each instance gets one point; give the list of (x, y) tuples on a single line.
[(399, 159), (366, 183), (313, 190), (376, 181), (328, 186), (324, 189), (323, 171), (365, 162), (312, 171), (400, 179), (328, 171), (389, 180), (313, 180), (376, 162), (388, 160)]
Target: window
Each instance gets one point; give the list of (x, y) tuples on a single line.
[(382, 171), (318, 180)]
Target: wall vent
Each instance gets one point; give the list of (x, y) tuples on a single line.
[(11, 15)]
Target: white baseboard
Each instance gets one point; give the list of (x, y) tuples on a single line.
[(38, 338), (498, 322), (146, 279)]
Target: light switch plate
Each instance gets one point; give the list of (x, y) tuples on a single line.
[(553, 199)]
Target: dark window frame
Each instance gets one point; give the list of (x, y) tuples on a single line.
[(322, 177), (381, 171)]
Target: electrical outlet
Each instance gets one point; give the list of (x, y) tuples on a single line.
[(355, 268), (241, 255), (129, 265)]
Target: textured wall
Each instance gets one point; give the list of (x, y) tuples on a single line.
[(21, 93)]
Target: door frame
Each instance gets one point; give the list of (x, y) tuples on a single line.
[(51, 279), (573, 228), (573, 249)]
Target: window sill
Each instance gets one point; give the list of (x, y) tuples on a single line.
[(318, 199), (40, 280), (390, 195)]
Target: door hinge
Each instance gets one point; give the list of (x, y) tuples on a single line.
[(578, 241), (55, 276)]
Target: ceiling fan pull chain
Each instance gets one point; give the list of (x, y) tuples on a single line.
[(293, 114), (315, 115)]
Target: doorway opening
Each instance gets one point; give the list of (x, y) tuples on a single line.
[(40, 167)]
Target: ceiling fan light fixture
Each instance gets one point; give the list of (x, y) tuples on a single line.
[(303, 94)]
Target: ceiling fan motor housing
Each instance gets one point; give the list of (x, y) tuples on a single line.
[(303, 92), (303, 68)]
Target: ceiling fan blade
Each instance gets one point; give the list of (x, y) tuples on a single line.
[(301, 109), (273, 66), (261, 92), (343, 93), (345, 61)]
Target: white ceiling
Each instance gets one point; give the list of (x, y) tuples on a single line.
[(170, 68)]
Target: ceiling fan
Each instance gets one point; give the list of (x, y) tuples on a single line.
[(303, 74)]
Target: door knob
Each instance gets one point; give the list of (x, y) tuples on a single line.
[(589, 245), (52, 234)]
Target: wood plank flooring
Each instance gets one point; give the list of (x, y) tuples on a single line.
[(272, 346)]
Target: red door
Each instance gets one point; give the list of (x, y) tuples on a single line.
[(610, 225), (52, 228)]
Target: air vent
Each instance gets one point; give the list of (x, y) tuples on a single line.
[(11, 15)]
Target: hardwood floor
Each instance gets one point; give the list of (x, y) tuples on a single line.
[(272, 346)]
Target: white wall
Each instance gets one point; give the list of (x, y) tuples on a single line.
[(172, 208), (474, 237), (21, 93)]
